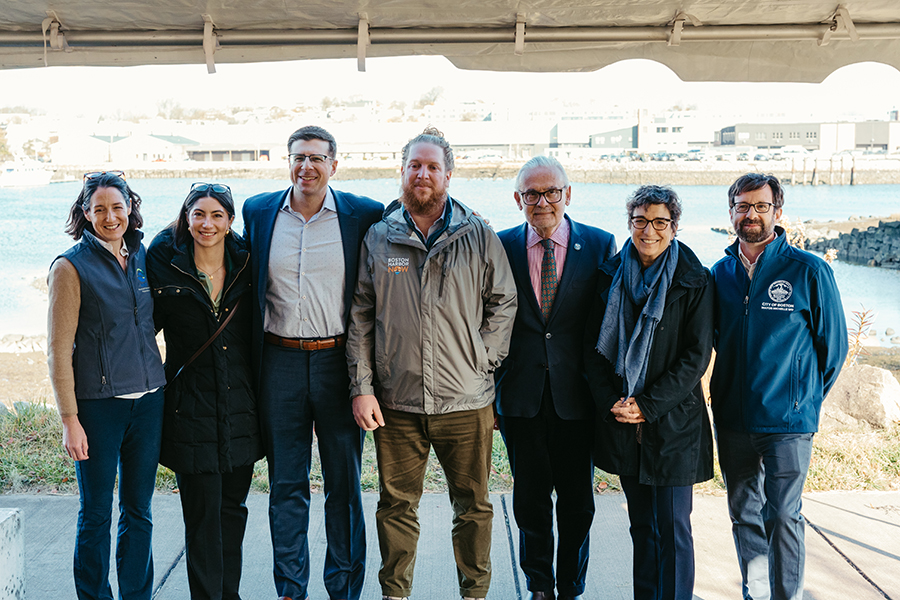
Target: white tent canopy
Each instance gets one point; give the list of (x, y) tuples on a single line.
[(712, 40)]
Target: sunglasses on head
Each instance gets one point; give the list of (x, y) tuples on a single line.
[(95, 174), (219, 188)]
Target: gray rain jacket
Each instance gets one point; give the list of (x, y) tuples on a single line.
[(429, 326)]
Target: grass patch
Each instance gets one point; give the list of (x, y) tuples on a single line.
[(32, 460)]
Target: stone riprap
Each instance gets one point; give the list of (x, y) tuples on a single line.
[(876, 245)]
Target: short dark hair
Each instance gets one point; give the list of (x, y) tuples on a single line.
[(77, 222), (181, 226), (755, 181), (314, 132), (431, 135), (655, 194)]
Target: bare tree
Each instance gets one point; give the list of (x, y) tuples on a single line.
[(5, 154), (429, 97)]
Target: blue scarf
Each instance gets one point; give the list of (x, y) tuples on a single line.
[(636, 302)]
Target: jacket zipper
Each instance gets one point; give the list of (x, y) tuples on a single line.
[(443, 274), (224, 292)]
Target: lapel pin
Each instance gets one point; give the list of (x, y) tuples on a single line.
[(577, 246)]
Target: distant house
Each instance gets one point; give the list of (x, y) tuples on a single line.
[(227, 151), (83, 149), (151, 148)]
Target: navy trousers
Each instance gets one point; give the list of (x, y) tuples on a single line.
[(123, 439), (215, 517), (300, 389), (764, 475), (660, 519), (547, 453)]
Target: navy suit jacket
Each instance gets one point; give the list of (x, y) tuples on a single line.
[(553, 347), (355, 215)]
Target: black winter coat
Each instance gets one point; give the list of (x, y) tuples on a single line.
[(676, 440), (210, 424)]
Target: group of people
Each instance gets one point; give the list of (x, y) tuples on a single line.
[(336, 315)]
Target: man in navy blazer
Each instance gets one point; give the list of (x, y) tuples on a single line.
[(304, 249), (543, 402)]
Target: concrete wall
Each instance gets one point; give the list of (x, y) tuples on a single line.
[(12, 555)]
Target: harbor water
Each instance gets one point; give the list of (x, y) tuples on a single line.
[(32, 221)]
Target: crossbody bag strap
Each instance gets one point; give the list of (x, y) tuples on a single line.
[(210, 340)]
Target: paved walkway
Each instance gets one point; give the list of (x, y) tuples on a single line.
[(853, 548)]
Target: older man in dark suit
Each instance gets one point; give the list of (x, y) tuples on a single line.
[(305, 246), (544, 405)]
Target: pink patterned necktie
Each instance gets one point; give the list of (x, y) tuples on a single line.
[(548, 277)]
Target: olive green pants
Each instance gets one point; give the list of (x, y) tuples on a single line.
[(462, 442)]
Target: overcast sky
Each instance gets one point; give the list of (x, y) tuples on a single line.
[(867, 90)]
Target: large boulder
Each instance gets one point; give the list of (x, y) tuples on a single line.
[(862, 395)]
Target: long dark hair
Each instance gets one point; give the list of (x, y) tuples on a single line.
[(181, 226), (77, 222)]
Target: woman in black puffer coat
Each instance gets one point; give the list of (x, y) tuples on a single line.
[(199, 271)]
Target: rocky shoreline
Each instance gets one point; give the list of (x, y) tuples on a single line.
[(872, 242)]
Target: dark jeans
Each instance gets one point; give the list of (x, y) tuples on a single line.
[(764, 475), (660, 519), (462, 443), (300, 389), (215, 517), (123, 438), (547, 453)]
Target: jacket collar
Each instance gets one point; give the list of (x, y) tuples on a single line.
[(131, 238), (459, 216), (689, 272), (776, 246)]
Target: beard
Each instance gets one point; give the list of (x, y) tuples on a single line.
[(423, 201), (754, 237)]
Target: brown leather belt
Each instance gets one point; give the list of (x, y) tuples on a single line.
[(298, 344)]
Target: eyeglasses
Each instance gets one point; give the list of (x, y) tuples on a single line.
[(95, 174), (219, 188), (316, 159), (658, 224), (760, 207), (532, 197)]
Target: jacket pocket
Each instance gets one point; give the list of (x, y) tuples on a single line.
[(101, 364), (482, 364), (795, 384)]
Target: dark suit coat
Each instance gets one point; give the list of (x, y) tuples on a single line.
[(551, 348), (355, 215)]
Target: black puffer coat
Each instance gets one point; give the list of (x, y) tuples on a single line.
[(676, 440), (211, 424)]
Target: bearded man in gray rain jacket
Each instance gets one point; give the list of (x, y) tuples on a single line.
[(430, 322)]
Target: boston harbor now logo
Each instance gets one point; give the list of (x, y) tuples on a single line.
[(398, 265)]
